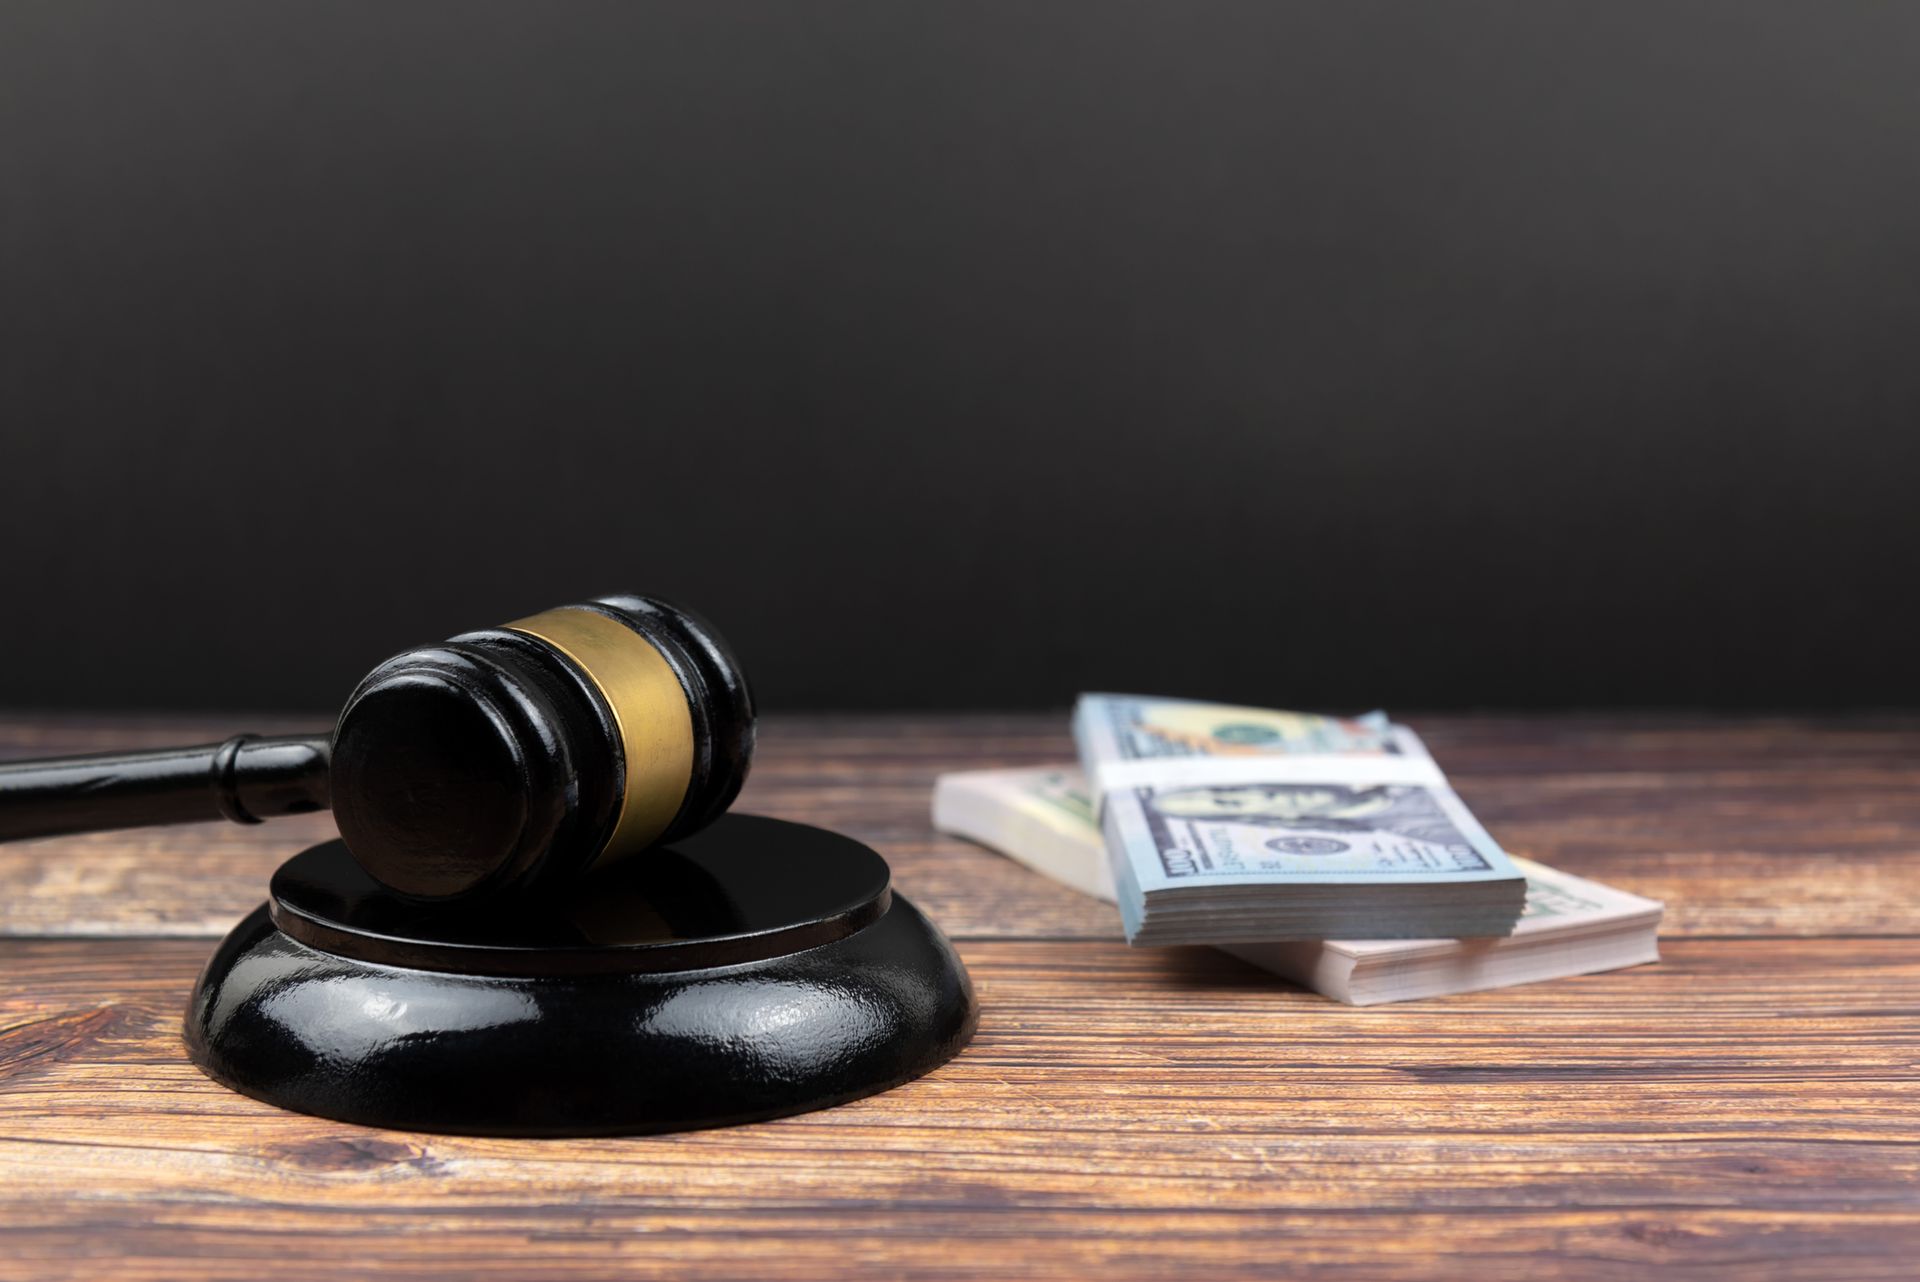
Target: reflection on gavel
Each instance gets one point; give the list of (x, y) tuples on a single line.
[(509, 759)]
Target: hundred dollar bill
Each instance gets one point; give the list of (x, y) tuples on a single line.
[(1305, 861), (1119, 727), (1043, 817), (1225, 824)]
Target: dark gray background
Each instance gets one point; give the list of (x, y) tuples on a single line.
[(1320, 355)]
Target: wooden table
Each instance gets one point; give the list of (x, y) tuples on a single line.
[(1746, 1109)]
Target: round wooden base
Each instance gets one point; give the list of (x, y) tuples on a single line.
[(755, 969)]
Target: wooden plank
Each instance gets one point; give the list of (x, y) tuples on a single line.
[(1740, 826), (1744, 1109)]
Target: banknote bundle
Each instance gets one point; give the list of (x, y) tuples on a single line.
[(1043, 818), (1228, 825)]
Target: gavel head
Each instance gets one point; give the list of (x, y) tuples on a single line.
[(516, 758)]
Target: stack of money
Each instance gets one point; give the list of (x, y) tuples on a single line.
[(1228, 825), (1044, 818)]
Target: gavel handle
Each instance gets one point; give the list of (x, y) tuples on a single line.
[(245, 779)]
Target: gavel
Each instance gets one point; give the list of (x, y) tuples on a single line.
[(508, 760)]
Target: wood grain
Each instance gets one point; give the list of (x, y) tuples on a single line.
[(1120, 1110), (1745, 1109)]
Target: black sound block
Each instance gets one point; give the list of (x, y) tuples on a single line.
[(754, 969)]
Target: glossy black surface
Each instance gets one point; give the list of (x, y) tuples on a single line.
[(245, 779), (771, 1024), (742, 889), (474, 767), (491, 764)]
